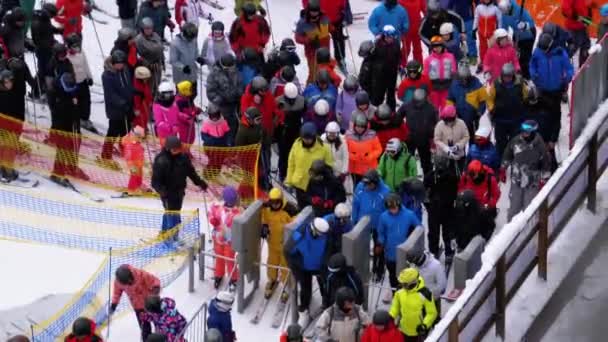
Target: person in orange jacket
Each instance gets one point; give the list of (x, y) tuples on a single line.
[(411, 41), (133, 153), (69, 15), (142, 97), (382, 329), (364, 148)]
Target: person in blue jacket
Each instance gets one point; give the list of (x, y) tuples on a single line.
[(389, 13), (368, 200), (339, 223), (464, 8), (466, 94), (394, 227), (249, 65), (307, 252), (219, 315), (321, 88), (561, 37), (520, 21), (482, 149), (413, 194)]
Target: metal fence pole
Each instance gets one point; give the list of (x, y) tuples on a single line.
[(453, 330), (201, 259), (543, 239), (32, 331), (501, 296), (294, 300), (109, 292), (592, 175), (191, 269)]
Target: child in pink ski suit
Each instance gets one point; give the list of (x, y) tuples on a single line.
[(439, 67), (165, 112), (221, 218), (499, 54)]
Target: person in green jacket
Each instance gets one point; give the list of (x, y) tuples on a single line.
[(238, 4), (396, 164)]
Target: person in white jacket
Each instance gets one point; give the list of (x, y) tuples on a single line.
[(344, 321), (193, 10), (431, 270), (215, 46), (339, 151), (84, 79)]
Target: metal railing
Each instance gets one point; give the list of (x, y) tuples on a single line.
[(197, 327), (523, 244)]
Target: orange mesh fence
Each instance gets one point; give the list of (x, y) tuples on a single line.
[(78, 157)]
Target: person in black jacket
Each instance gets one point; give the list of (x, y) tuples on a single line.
[(43, 36), (7, 5), (366, 50), (339, 274), (126, 12), (385, 67), (278, 58), (169, 172), (421, 117), (324, 190), (435, 16), (467, 219), (13, 33), (10, 130)]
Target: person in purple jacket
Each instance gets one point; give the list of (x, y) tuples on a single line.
[(346, 103)]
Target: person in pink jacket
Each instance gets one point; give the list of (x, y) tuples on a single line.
[(165, 112), (138, 285), (439, 67), (221, 218), (499, 54)]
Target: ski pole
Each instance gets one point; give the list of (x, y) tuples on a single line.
[(340, 52), (207, 218), (350, 47), (97, 36), (270, 23)]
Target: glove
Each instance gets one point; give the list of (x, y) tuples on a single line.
[(502, 175), (523, 26), (454, 149), (316, 201), (171, 25), (201, 60), (186, 69), (421, 330), (315, 43), (87, 8), (541, 183), (113, 307), (204, 186), (265, 231), (89, 82), (262, 11), (378, 249), (328, 204)]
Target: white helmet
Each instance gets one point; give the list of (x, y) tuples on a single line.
[(500, 33), (446, 28), (166, 87), (321, 107), (393, 145), (332, 127), (342, 210), (320, 225), (504, 5), (290, 90)]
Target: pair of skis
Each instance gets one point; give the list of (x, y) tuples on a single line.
[(66, 183), (279, 313), (20, 182)]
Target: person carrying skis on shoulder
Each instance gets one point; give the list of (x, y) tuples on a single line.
[(83, 329), (214, 131), (320, 101), (167, 320), (287, 74), (411, 41), (324, 190), (385, 67), (388, 125), (182, 57), (452, 40), (307, 251), (340, 223), (340, 275), (337, 144), (366, 52), (276, 213), (151, 51), (501, 52), (165, 112), (488, 18), (214, 46), (138, 285), (468, 95), (346, 103), (451, 138), (84, 79), (293, 106), (125, 42), (520, 21), (413, 195), (364, 148), (127, 9), (396, 164), (414, 79), (344, 320), (413, 305), (133, 152), (312, 31), (430, 269), (440, 68), (382, 329), (187, 113), (435, 16), (483, 149), (158, 12), (69, 15), (220, 317), (142, 97), (249, 30)]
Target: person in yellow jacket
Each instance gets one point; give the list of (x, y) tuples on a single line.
[(414, 305), (306, 149), (277, 212)]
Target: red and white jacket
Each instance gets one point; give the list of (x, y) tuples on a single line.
[(487, 19), (221, 218)]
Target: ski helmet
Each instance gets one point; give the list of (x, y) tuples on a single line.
[(366, 48), (448, 112), (371, 177), (314, 6), (320, 225), (332, 127), (172, 142), (308, 130), (389, 31), (124, 275), (336, 263), (323, 56), (484, 131), (189, 30), (253, 115), (351, 84), (437, 41), (323, 77), (446, 28), (290, 90), (166, 87), (184, 88), (414, 187), (275, 194), (217, 26), (433, 7), (60, 49), (360, 121), (392, 201), (126, 33), (147, 23), (294, 333), (414, 67), (6, 75), (507, 70), (321, 107), (118, 57), (604, 10), (550, 28), (500, 33), (384, 112), (504, 6), (259, 85), (318, 168), (50, 9), (249, 9), (142, 73), (361, 98), (213, 110), (342, 210), (419, 95), (545, 41), (249, 55), (82, 327), (288, 44), (474, 168), (409, 277), (416, 257), (382, 318), (154, 337), (529, 126), (344, 295), (230, 196), (68, 82), (393, 145), (466, 199), (224, 300), (153, 304), (288, 73), (227, 60)]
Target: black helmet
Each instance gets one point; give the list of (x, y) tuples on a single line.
[(294, 332), (414, 67), (73, 40), (318, 167), (154, 337), (82, 327), (384, 112), (288, 73), (217, 26), (17, 14), (227, 60), (414, 187), (212, 109), (545, 41), (308, 130), (314, 5), (152, 304), (259, 84), (288, 44), (189, 30), (507, 70), (118, 56), (50, 9), (251, 114), (392, 200), (250, 56), (416, 257), (6, 75), (550, 28), (381, 317), (360, 120), (124, 274), (351, 83), (323, 55), (366, 48), (336, 263), (249, 8), (371, 176), (59, 49), (362, 98), (126, 33), (323, 77), (344, 295), (172, 142), (466, 199)]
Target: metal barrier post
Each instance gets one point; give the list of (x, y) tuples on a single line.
[(453, 330), (592, 175), (294, 300), (501, 296), (191, 269), (543, 239), (201, 259)]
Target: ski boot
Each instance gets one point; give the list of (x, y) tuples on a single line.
[(9, 175), (62, 181), (232, 286), (303, 318), (89, 126), (217, 281), (270, 286), (284, 296)]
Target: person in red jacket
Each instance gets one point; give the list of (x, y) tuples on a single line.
[(411, 41), (335, 10), (142, 97), (249, 30), (383, 329), (179, 18), (578, 17), (69, 15), (312, 31), (388, 125), (413, 80), (325, 62), (481, 180), (257, 95), (83, 330), (138, 285)]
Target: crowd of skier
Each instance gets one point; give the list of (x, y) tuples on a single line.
[(348, 142)]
